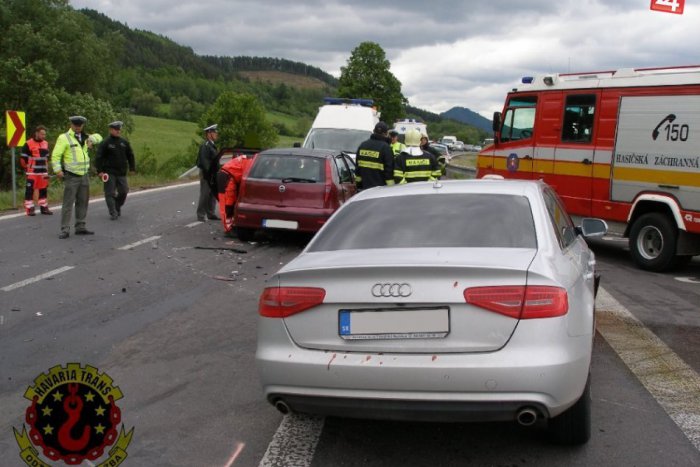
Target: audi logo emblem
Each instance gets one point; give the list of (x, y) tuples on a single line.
[(282, 188), (388, 289)]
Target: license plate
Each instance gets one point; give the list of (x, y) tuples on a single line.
[(279, 224), (433, 323)]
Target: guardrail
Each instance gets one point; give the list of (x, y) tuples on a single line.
[(457, 172)]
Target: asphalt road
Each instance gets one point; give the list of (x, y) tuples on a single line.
[(167, 308)]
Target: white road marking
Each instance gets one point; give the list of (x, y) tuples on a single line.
[(31, 280), (674, 384), (688, 280), (140, 242), (294, 441), (194, 224), (237, 452)]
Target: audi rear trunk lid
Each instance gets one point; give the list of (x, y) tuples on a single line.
[(403, 300)]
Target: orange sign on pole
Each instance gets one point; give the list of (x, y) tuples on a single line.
[(668, 6), (16, 131)]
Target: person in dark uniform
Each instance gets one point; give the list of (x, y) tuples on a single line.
[(413, 164), (375, 160), (208, 163), (439, 157), (114, 158)]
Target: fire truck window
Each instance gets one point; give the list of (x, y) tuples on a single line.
[(519, 118), (579, 115), (518, 124)]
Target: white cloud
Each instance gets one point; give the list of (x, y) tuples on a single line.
[(446, 54)]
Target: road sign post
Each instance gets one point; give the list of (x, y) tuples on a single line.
[(16, 136)]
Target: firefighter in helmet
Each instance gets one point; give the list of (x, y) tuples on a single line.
[(413, 164), (375, 160)]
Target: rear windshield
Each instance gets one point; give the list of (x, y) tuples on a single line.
[(430, 221), (286, 166), (338, 139)]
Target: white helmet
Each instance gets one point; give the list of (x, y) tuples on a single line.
[(95, 139), (413, 137)]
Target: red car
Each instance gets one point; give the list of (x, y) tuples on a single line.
[(293, 189)]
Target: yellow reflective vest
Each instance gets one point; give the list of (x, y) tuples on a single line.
[(69, 155)]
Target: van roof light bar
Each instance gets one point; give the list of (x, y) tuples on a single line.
[(345, 100)]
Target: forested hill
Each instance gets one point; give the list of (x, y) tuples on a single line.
[(152, 51)]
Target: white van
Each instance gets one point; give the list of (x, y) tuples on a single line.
[(448, 141), (402, 126), (342, 124)]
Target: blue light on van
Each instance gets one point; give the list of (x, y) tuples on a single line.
[(527, 79), (345, 100)]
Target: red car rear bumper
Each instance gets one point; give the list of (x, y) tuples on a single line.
[(308, 219)]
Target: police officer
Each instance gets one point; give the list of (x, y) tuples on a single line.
[(114, 158), (208, 163), (396, 145), (70, 162), (413, 164), (375, 160)]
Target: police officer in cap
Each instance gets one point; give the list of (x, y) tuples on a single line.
[(375, 160), (208, 163), (114, 158), (396, 145), (70, 162)]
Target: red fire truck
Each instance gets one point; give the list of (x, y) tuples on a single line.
[(619, 145)]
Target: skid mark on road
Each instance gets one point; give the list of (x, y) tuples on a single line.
[(31, 280), (294, 442), (674, 384)]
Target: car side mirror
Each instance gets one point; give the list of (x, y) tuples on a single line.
[(592, 228), (297, 145)]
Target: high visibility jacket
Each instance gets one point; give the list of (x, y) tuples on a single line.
[(69, 155), (416, 168), (375, 163), (397, 147), (35, 156)]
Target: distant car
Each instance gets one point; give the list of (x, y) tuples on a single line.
[(457, 146), (489, 317), (442, 148), (477, 148), (293, 189)]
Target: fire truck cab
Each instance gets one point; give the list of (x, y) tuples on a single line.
[(619, 145)]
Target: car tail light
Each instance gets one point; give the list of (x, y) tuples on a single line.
[(523, 302), (281, 302)]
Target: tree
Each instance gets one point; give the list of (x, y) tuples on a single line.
[(145, 102), (184, 108), (242, 121), (367, 75)]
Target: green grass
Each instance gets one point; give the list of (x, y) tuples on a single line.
[(164, 138)]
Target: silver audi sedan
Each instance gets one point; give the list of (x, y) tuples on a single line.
[(450, 301)]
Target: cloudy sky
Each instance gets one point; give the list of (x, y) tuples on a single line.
[(445, 53)]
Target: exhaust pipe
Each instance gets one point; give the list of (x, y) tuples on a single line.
[(527, 416), (282, 407)]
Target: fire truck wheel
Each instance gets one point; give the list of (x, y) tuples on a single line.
[(653, 242)]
